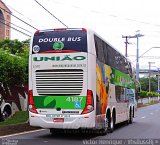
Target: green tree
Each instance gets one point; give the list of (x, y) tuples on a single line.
[(145, 84), (12, 68), (143, 94), (14, 61), (14, 46)]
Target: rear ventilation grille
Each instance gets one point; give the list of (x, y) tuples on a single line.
[(59, 82)]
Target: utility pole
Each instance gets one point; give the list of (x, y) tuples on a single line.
[(158, 83), (150, 74), (137, 54), (126, 44), (158, 78)]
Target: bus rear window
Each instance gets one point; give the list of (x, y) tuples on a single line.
[(60, 41)]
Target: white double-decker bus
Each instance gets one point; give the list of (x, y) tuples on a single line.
[(78, 81)]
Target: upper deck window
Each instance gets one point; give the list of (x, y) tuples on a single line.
[(60, 41)]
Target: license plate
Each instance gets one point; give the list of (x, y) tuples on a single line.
[(58, 119)]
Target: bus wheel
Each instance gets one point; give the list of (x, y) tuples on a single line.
[(111, 124), (130, 117)]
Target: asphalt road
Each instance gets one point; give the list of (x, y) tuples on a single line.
[(144, 130)]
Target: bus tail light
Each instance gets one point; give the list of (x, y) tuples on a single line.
[(89, 103), (32, 108)]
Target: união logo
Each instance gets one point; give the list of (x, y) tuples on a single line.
[(58, 45), (59, 58)]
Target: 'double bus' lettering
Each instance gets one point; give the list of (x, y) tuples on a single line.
[(51, 39)]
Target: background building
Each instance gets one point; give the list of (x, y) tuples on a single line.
[(5, 19)]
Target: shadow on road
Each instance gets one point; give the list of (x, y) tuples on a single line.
[(77, 134), (71, 135), (90, 134)]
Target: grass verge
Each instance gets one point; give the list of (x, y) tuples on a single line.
[(153, 102), (17, 118)]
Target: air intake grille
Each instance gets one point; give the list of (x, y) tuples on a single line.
[(60, 82)]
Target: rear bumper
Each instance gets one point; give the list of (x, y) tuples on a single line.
[(71, 122)]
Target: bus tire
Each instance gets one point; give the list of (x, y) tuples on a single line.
[(111, 123), (130, 116)]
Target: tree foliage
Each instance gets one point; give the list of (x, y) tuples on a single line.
[(145, 94), (14, 46), (145, 84), (14, 61)]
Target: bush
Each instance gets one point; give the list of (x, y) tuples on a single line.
[(152, 94), (13, 68), (156, 94), (143, 94), (14, 61)]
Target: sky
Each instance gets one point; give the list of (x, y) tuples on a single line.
[(109, 18)]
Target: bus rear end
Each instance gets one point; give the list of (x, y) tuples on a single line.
[(59, 96)]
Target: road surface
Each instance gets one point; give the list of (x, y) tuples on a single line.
[(144, 130)]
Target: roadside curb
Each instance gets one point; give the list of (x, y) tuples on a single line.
[(20, 133), (140, 105), (12, 129)]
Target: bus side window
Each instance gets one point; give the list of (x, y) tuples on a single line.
[(105, 52), (122, 64), (96, 46), (120, 96), (129, 69), (130, 95), (118, 93), (99, 49), (111, 56)]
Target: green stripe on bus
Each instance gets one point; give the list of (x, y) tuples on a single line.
[(63, 102), (122, 79)]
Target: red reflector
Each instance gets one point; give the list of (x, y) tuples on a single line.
[(60, 29), (86, 117), (37, 32), (84, 29), (58, 119), (59, 51)]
